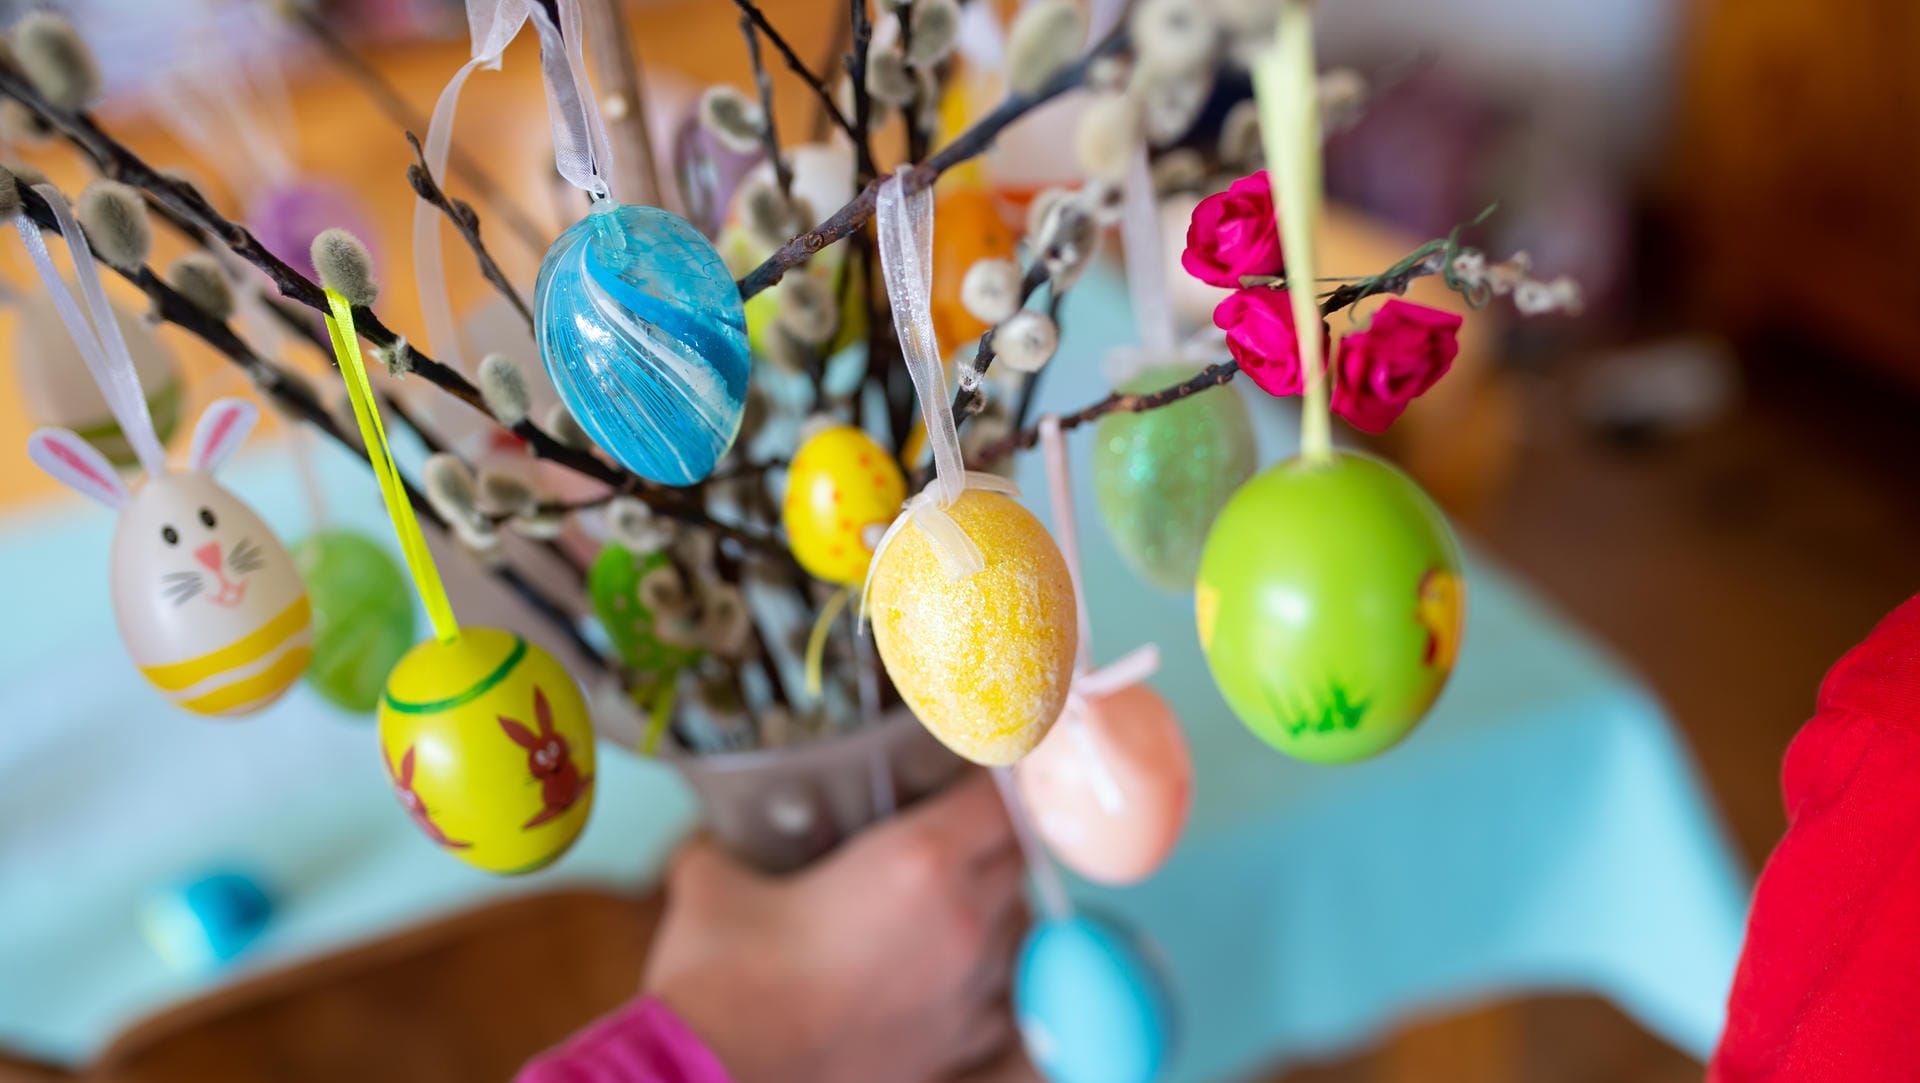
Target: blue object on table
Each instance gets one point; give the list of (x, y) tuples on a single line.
[(1091, 1005), (644, 334), (1543, 830), (208, 921)]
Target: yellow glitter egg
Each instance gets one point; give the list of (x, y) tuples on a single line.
[(983, 661), (842, 491), (489, 748)]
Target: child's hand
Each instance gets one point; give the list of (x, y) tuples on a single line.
[(886, 963)]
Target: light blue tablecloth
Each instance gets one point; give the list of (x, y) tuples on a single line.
[(1543, 830)]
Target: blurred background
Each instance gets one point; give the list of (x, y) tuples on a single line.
[(1711, 470)]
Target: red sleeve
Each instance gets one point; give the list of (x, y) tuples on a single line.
[(643, 1042), (1829, 982)]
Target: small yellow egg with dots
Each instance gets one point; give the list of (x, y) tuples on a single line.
[(842, 491), (983, 661)]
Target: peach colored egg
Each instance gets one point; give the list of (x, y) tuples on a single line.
[(982, 661), (1110, 786)]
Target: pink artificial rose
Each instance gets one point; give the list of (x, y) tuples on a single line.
[(1392, 361), (1259, 326), (1233, 234)]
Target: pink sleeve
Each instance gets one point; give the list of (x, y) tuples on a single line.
[(643, 1042)]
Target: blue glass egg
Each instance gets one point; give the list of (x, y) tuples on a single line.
[(645, 337), (1092, 1007)]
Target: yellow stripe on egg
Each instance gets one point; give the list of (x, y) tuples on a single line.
[(251, 648), (255, 691)]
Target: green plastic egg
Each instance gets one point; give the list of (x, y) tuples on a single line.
[(647, 641), (1330, 606), (363, 616), (1162, 475)]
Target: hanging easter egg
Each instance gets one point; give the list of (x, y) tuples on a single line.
[(633, 597), (1110, 786), (641, 329), (208, 921), (982, 661), (363, 616), (287, 217), (970, 230), (1092, 1008), (57, 390), (489, 748), (843, 489), (210, 606), (1161, 475), (1330, 606)]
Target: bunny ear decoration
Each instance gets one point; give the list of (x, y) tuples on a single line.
[(222, 429), (74, 463), (100, 343), (905, 224)]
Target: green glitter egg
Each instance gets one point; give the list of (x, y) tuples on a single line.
[(626, 590), (1330, 606), (1162, 475), (363, 616)]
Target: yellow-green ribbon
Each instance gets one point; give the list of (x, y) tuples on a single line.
[(413, 544), (1285, 89)]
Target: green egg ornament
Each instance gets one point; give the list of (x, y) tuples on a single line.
[(1330, 606), (363, 616), (1162, 475), (617, 587)]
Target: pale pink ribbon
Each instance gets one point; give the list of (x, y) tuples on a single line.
[(1088, 683)]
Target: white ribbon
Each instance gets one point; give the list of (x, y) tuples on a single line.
[(580, 148), (905, 225), (101, 345), (1088, 683)]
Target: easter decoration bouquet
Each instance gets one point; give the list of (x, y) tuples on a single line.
[(765, 434)]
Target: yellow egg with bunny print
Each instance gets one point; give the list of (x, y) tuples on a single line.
[(489, 748), (210, 606)]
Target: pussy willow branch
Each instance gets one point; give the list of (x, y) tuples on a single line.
[(829, 108), (968, 144), (290, 393), (861, 27), (394, 105), (468, 224), (964, 399), (117, 161), (1428, 259)]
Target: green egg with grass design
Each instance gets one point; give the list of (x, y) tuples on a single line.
[(1330, 606)]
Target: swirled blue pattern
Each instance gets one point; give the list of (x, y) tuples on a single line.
[(643, 333)]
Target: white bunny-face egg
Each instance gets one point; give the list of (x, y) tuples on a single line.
[(210, 605)]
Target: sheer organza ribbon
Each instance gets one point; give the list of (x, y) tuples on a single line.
[(102, 347), (904, 221), (1088, 683), (579, 138)]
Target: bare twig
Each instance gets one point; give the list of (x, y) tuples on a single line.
[(769, 133), (968, 144), (468, 224), (829, 109), (856, 66)]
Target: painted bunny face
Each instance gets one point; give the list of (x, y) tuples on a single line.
[(210, 605)]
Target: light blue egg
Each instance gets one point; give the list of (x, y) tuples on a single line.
[(203, 923), (643, 333), (1091, 1007)]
